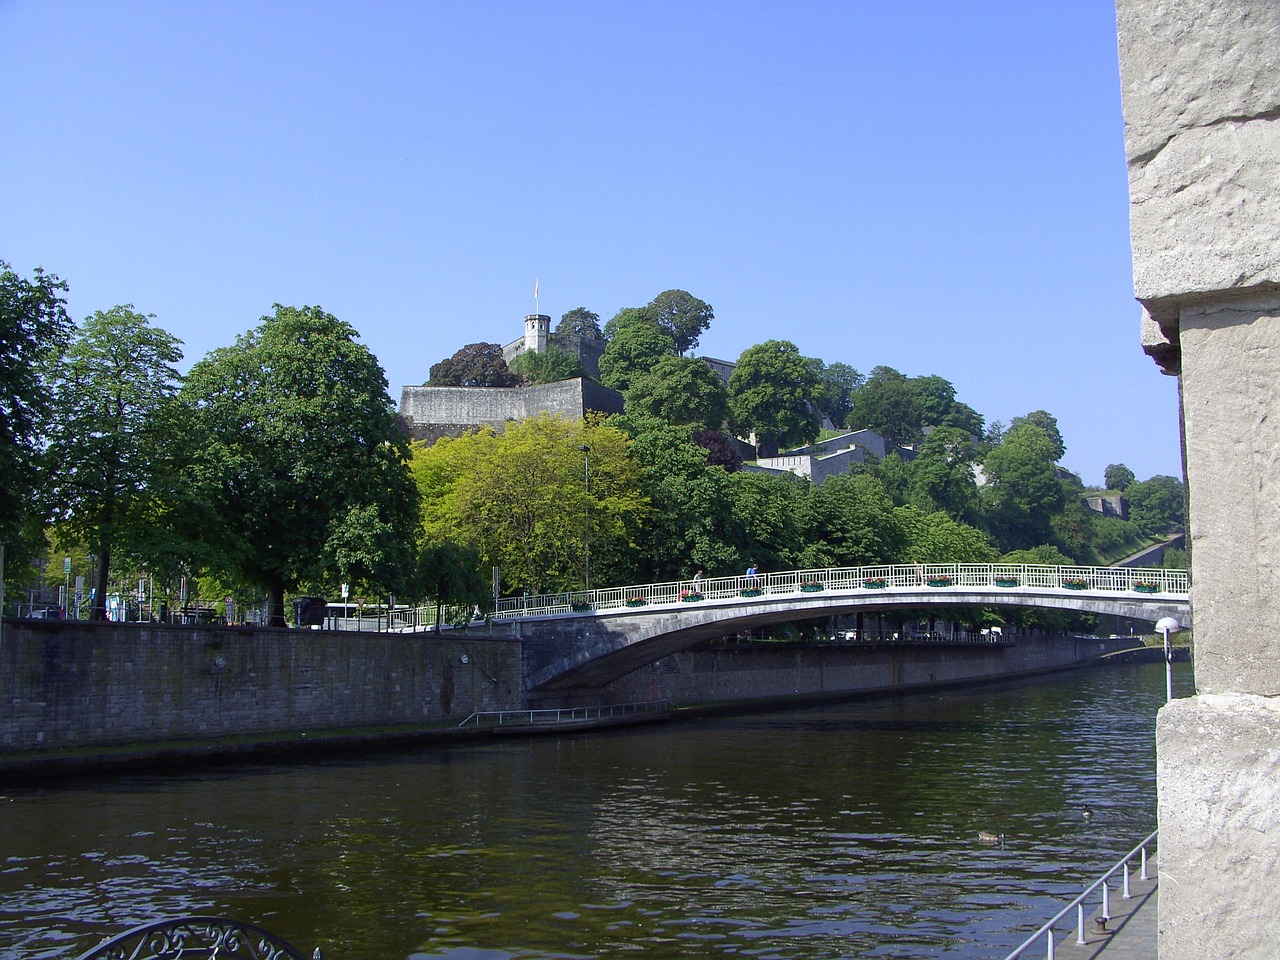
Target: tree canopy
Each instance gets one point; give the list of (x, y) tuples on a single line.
[(679, 390), (887, 404), (1119, 477), (303, 469), (34, 330), (635, 348), (773, 393), (547, 366), (581, 322), (110, 439), (681, 316), (475, 365)]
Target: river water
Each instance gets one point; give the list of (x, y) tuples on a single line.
[(841, 831)]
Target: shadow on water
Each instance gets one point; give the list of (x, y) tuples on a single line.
[(842, 831)]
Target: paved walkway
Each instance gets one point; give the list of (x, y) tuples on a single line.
[(1130, 934)]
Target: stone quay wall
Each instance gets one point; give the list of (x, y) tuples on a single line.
[(770, 672), (80, 685)]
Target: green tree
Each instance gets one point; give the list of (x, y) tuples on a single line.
[(689, 525), (549, 366), (839, 381), (1156, 506), (964, 417), (942, 476), (522, 500), (108, 445), (681, 316), (1049, 424), (1118, 477), (1023, 492), (936, 398), (849, 522), (629, 317), (887, 403), (937, 538), (681, 391), (449, 573), (581, 322), (773, 393), (475, 365), (634, 349), (768, 515), (303, 467), (34, 330)]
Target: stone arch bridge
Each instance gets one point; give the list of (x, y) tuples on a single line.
[(591, 638)]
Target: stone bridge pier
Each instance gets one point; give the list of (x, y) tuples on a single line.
[(1201, 94)]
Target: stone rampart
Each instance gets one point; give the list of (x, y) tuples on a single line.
[(430, 413)]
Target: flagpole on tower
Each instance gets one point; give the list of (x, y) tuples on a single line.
[(536, 308)]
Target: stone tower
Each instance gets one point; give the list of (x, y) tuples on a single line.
[(537, 332)]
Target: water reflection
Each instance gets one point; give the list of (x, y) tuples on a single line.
[(847, 831)]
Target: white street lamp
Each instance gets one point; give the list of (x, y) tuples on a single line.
[(1166, 626)]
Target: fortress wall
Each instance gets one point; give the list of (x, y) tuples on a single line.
[(1201, 91), (432, 412)]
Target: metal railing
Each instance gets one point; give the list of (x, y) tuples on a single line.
[(567, 715), (1153, 582), (196, 937), (1046, 931)]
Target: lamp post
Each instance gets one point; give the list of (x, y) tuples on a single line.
[(1166, 626), (586, 514)]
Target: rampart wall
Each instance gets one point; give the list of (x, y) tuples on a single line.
[(430, 413)]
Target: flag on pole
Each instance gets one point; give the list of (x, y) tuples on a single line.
[(535, 289)]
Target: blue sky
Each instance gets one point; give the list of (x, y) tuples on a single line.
[(938, 187)]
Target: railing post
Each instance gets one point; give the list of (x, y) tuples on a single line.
[(1049, 937), (1127, 895), (1106, 900), (1080, 923), (1144, 863)]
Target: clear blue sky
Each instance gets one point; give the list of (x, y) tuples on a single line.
[(939, 187)]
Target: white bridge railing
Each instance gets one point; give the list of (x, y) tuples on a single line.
[(1133, 582)]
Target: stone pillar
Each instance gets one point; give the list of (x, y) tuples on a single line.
[(1201, 90)]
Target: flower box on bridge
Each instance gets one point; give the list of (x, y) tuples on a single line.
[(751, 592), (811, 587), (943, 581), (1075, 583), (1145, 587), (1008, 582), (581, 607), (875, 583), (636, 601), (690, 597)]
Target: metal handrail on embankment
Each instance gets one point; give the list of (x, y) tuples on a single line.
[(567, 715), (1046, 931), (1152, 582)]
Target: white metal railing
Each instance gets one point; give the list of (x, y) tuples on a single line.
[(1155, 582), (1046, 931), (555, 715)]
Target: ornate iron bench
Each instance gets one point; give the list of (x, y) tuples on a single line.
[(191, 938)]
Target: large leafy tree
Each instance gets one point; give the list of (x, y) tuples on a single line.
[(849, 522), (628, 317), (839, 381), (942, 476), (937, 538), (303, 466), (1118, 477), (1156, 506), (635, 348), (522, 499), (34, 329), (582, 322), (110, 444), (1023, 491), (548, 366), (1049, 424), (888, 404), (475, 365), (681, 316), (679, 390), (773, 393)]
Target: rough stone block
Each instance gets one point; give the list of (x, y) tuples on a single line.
[(1231, 409), (1219, 798)]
